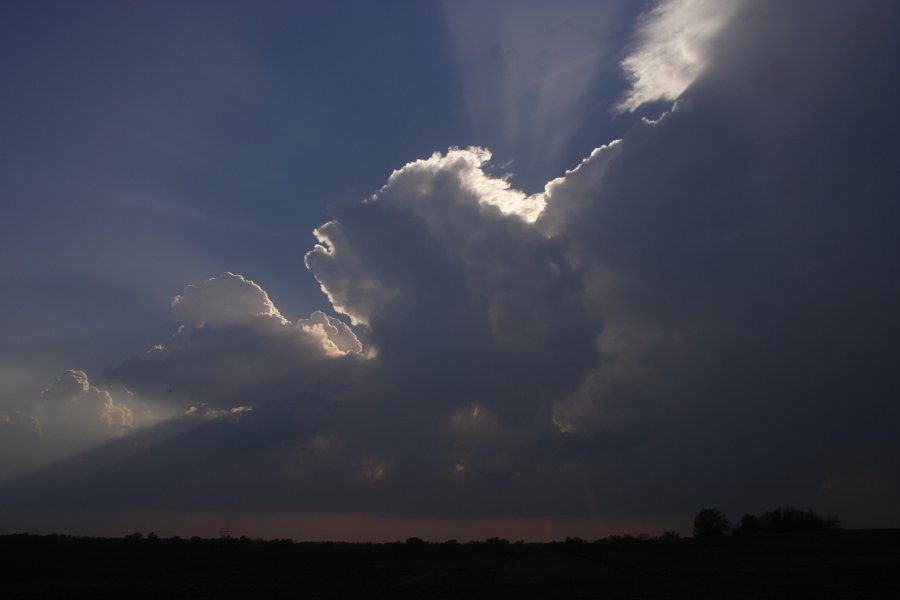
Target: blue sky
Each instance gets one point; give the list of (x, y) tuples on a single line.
[(150, 145), (683, 226)]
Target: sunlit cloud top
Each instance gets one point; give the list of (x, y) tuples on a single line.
[(672, 44)]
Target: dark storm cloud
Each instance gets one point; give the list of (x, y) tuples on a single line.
[(704, 312), (742, 256)]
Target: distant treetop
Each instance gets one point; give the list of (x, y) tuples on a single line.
[(710, 522)]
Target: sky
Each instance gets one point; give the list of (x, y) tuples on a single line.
[(350, 270)]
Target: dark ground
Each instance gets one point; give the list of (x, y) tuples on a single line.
[(831, 564)]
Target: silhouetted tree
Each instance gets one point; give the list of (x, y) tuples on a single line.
[(749, 525), (711, 522), (785, 520), (790, 519), (496, 541)]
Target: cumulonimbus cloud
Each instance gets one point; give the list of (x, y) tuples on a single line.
[(707, 303), (445, 269)]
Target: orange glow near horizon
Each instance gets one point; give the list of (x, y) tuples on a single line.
[(329, 527)]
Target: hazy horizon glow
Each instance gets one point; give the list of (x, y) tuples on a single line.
[(323, 527)]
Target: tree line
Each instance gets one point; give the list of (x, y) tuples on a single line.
[(711, 522)]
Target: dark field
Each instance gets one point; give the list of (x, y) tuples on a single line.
[(833, 564)]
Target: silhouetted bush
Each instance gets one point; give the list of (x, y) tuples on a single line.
[(622, 538), (710, 522), (670, 535), (414, 541)]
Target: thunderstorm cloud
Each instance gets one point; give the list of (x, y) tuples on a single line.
[(707, 303)]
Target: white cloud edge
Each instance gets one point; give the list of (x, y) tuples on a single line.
[(672, 46)]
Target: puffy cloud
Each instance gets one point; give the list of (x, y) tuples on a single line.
[(233, 339), (69, 384), (213, 413), (673, 43), (501, 305), (70, 415), (16, 423), (74, 390), (440, 206), (224, 298), (336, 336)]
